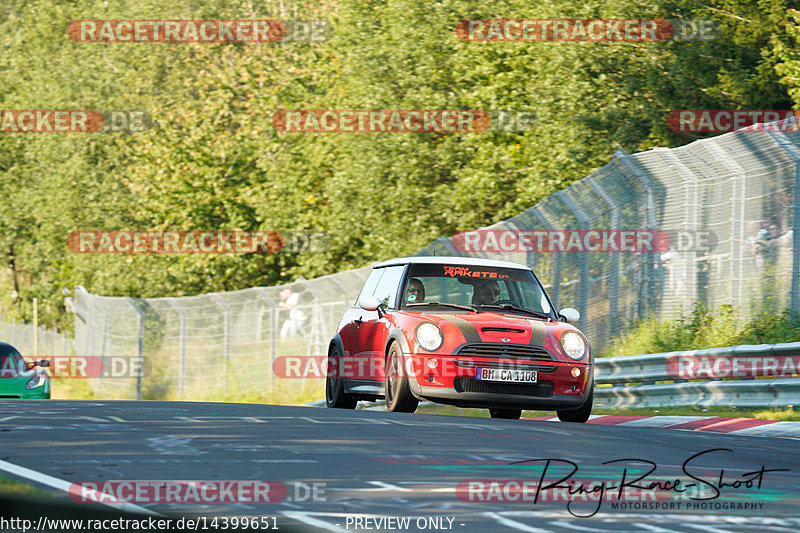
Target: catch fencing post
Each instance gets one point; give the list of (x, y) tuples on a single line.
[(585, 279), (556, 290), (613, 284), (182, 355), (140, 348), (35, 327), (794, 153), (650, 223), (345, 301), (692, 190), (226, 335), (737, 218), (262, 295), (81, 296)]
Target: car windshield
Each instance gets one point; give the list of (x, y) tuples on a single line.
[(11, 362), (474, 286)]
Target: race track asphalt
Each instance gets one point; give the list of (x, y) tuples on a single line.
[(371, 464)]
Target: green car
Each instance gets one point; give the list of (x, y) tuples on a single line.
[(20, 379)]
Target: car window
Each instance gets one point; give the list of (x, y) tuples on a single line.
[(371, 283), (458, 285), (386, 290), (11, 363)]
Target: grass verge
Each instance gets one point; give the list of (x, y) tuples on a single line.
[(705, 328), (13, 487)]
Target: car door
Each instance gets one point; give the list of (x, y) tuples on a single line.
[(349, 325), (367, 333)]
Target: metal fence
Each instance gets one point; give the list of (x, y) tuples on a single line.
[(719, 377), (733, 188), (738, 187), (215, 346), (50, 342)]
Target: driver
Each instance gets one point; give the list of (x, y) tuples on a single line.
[(415, 293), (485, 292)]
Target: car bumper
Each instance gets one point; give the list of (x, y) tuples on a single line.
[(556, 387), (14, 388), (26, 396)]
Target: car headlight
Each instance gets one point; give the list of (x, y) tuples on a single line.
[(574, 345), (36, 381), (429, 336)]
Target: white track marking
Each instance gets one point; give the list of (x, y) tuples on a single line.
[(61, 484), (307, 518), (654, 529), (708, 528), (519, 526)]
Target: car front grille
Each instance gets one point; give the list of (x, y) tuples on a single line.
[(543, 389), (511, 351), (502, 365)]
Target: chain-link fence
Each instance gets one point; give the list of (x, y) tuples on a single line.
[(734, 191), (737, 188), (51, 343), (220, 345)]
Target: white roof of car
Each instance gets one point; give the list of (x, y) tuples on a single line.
[(451, 260)]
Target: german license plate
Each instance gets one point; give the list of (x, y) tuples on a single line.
[(498, 374)]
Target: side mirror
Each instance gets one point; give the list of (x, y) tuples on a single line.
[(44, 363), (370, 303), (570, 315)]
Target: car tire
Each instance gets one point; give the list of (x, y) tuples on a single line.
[(334, 384), (581, 414), (396, 388), (510, 414)]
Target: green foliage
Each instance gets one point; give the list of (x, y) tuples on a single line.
[(789, 54), (215, 162), (704, 328)]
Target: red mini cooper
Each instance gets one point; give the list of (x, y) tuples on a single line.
[(460, 331)]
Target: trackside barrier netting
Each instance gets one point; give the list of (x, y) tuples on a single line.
[(216, 346), (51, 343), (736, 190)]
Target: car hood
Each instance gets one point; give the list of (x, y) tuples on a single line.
[(493, 327)]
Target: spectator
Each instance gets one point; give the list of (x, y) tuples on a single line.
[(292, 327)]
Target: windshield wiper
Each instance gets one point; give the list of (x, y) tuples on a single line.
[(444, 304), (509, 307)]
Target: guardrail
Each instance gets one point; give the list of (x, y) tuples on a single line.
[(746, 376)]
